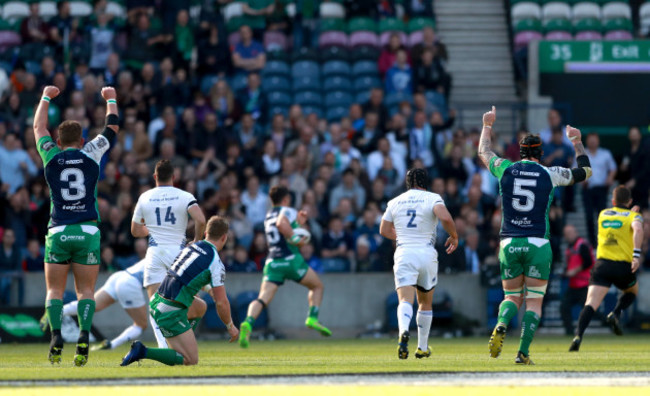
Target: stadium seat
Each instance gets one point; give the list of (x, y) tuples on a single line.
[(207, 82), (522, 39), (275, 84), (332, 10), (419, 24), (366, 83), (338, 98), (242, 301), (415, 38), (333, 52), (235, 23), (365, 68), (525, 10), (618, 24), (307, 110), (330, 38), (556, 9), (9, 39), (238, 82), (618, 35), (558, 35), (588, 36), (362, 97), (305, 69), (305, 54), (279, 99), (116, 9), (394, 99), (361, 24), (588, 25), (391, 25), (384, 38), (308, 98), (336, 68), (335, 114), (307, 84), (332, 84), (584, 10), (524, 25), (80, 9), (276, 68), (332, 24), (15, 10), (555, 25), (364, 38), (335, 265), (364, 52), (235, 9), (47, 9), (284, 110), (644, 15), (33, 67), (616, 10), (275, 41)]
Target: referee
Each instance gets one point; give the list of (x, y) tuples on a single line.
[(620, 235)]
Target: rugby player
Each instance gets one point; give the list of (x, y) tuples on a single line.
[(526, 188), (174, 306), (162, 214), (284, 262), (411, 219), (73, 238), (618, 257)]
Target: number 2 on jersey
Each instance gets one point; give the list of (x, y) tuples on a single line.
[(169, 216), (412, 213)]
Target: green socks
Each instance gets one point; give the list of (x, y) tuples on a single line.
[(164, 355), (313, 312), (54, 310), (194, 323), (250, 320), (85, 312), (507, 311), (528, 328)]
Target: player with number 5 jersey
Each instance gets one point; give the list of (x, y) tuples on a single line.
[(525, 256), (72, 241), (162, 215)]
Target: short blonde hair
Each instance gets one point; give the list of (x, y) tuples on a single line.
[(217, 227)]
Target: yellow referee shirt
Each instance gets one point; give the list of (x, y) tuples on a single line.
[(615, 241)]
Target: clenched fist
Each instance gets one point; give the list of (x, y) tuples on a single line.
[(51, 91), (490, 117), (109, 93), (573, 134)]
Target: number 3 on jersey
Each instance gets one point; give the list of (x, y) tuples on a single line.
[(522, 194), (412, 213), (169, 216)]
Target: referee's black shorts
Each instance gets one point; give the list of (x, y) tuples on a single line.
[(608, 272)]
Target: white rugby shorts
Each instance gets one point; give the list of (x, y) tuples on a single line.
[(157, 261), (416, 266), (125, 289)]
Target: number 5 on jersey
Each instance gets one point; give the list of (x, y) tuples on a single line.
[(169, 216), (522, 194)]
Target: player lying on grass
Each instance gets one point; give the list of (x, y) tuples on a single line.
[(73, 238), (411, 219), (175, 307), (618, 257), (526, 188), (125, 287), (284, 262)]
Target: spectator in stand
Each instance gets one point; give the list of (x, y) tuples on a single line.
[(558, 153), (102, 36), (250, 136), (277, 19), (46, 75), (579, 262), (554, 122), (430, 74), (16, 167), (223, 102), (213, 55), (271, 163), (376, 104), (453, 166), (421, 140), (251, 99), (375, 161), (635, 168), (184, 38), (240, 262), (471, 251), (344, 154), (429, 41), (9, 264), (14, 115), (348, 188), (308, 253), (399, 77), (34, 29), (366, 139), (388, 56), (248, 55), (337, 250), (255, 202), (596, 189), (366, 260), (367, 227), (279, 133), (34, 261), (144, 42)]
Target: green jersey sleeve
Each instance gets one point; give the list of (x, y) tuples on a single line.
[(47, 149), (498, 166)]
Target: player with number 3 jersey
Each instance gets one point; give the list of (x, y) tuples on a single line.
[(525, 256)]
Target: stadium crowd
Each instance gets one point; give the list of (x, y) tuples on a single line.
[(228, 148)]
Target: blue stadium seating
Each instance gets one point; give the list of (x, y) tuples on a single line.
[(306, 84), (276, 68), (242, 301), (279, 99), (336, 68), (211, 320), (338, 98), (337, 84), (366, 83), (305, 69), (308, 98), (334, 114), (312, 110), (276, 83), (365, 68)]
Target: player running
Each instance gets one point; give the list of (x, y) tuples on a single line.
[(175, 307), (411, 219), (125, 287), (526, 188), (162, 214), (284, 262), (620, 237), (72, 242)]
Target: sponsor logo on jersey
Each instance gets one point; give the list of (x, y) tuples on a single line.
[(524, 173), (74, 207), (523, 222), (92, 259), (47, 146), (61, 161), (533, 272), (101, 142), (507, 273), (518, 249), (73, 162), (612, 224), (515, 172), (65, 238)]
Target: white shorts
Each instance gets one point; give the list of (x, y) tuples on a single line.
[(416, 266), (157, 261), (126, 289)]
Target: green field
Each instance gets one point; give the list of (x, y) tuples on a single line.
[(290, 357)]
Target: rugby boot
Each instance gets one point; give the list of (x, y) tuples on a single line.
[(575, 344), (420, 354), (81, 355), (56, 348), (403, 346), (137, 353), (104, 345), (313, 323), (496, 341), (614, 324), (523, 359), (245, 334)]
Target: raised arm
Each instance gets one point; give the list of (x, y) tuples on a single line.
[(448, 224), (112, 119), (485, 143), (583, 171), (40, 118)]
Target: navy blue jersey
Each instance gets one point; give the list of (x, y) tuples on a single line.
[(197, 265), (526, 195), (278, 246), (72, 176)]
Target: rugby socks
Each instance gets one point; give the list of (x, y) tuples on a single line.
[(404, 315), (194, 323), (160, 339), (54, 310), (85, 313), (164, 355), (130, 333), (584, 319), (528, 328), (313, 312), (70, 308), (423, 320), (507, 311), (624, 301), (250, 320)]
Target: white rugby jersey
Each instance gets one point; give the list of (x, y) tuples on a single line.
[(164, 211), (412, 215)]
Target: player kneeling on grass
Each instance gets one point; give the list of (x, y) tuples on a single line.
[(175, 307)]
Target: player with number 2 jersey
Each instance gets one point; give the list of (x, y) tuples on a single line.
[(525, 256)]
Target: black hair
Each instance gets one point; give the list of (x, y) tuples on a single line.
[(531, 147), (417, 177), (277, 194)]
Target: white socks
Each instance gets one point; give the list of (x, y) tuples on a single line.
[(162, 342), (404, 315), (423, 320), (129, 334), (70, 309)]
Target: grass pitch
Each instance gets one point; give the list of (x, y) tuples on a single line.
[(294, 357)]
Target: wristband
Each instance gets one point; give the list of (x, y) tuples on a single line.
[(229, 325), (111, 101), (637, 253), (46, 99), (487, 126)]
